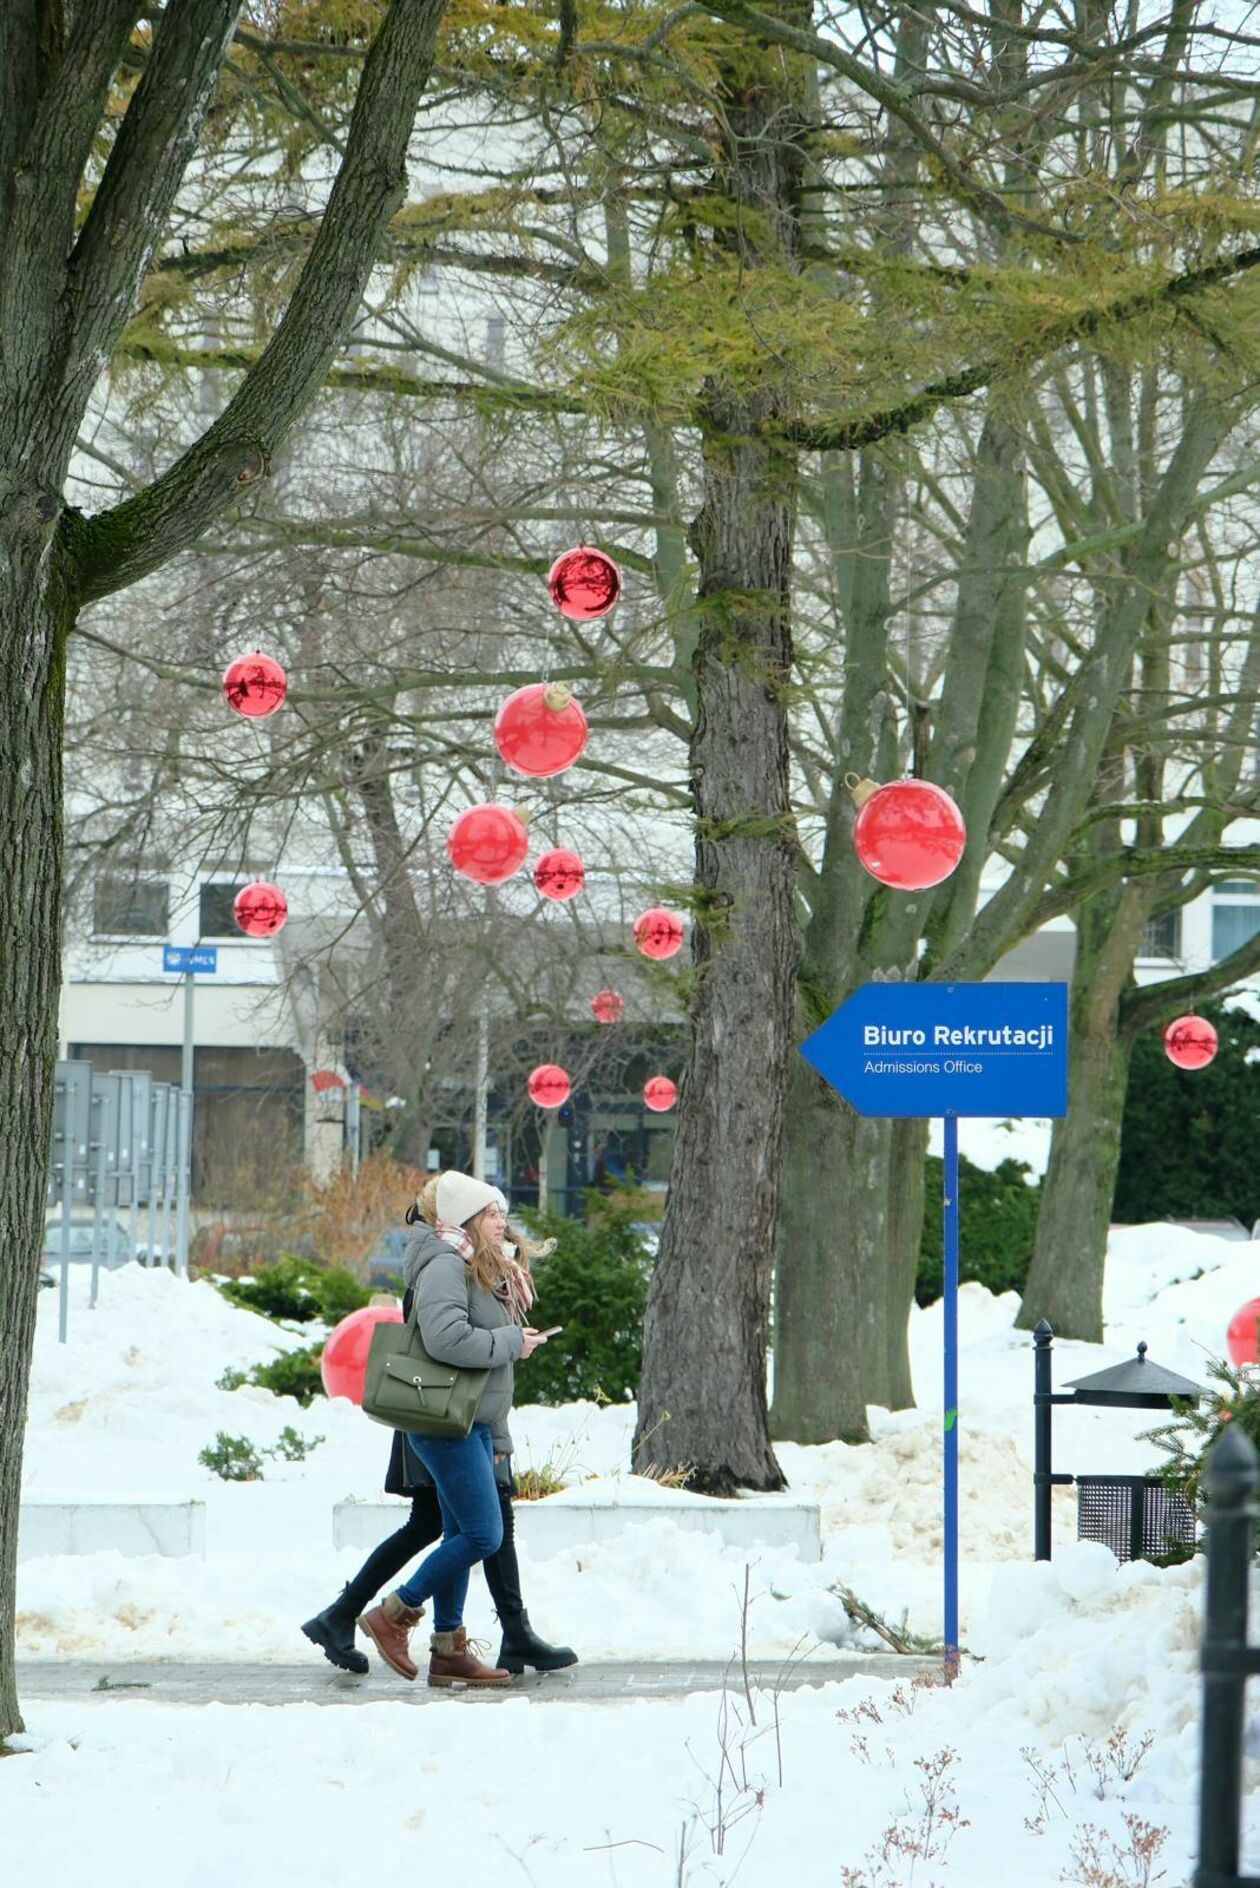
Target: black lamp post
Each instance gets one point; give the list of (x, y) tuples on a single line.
[(1137, 1384)]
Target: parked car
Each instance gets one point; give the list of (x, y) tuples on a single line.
[(385, 1260), (115, 1238)]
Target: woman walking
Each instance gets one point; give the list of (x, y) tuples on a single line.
[(475, 1292)]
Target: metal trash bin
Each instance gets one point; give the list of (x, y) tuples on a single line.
[(1138, 1516)]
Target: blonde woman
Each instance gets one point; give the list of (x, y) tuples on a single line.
[(473, 1294)]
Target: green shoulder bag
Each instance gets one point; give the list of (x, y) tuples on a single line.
[(405, 1388)]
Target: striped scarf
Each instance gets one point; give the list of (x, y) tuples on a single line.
[(515, 1287)]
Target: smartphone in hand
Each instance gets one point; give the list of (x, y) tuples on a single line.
[(553, 1332)]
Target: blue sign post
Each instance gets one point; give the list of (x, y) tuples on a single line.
[(190, 959), (952, 1050)]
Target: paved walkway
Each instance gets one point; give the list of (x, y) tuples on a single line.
[(316, 1682)]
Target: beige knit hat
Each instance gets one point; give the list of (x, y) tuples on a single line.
[(460, 1198)]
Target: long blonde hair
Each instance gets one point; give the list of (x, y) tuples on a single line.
[(487, 1263)]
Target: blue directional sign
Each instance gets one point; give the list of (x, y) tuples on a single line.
[(917, 1049), (191, 958)]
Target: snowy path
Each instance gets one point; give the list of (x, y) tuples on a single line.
[(179, 1681)]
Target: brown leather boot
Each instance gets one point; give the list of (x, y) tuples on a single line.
[(451, 1663), (389, 1627)]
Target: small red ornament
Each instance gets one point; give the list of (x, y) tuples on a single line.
[(559, 873), (255, 685), (549, 1085), (1240, 1338), (540, 730), (1190, 1042), (658, 933), (343, 1360), (488, 843), (908, 834), (660, 1094), (260, 909), (584, 583), (609, 1006)]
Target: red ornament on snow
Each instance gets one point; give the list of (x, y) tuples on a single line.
[(609, 1006), (343, 1360), (488, 843), (549, 1085), (260, 909), (1190, 1042), (584, 583), (660, 1094), (255, 685), (658, 933), (559, 873), (1240, 1338), (908, 834), (540, 730)]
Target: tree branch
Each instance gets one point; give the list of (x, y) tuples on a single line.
[(1156, 1001)]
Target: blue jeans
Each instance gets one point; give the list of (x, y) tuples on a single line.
[(472, 1521)]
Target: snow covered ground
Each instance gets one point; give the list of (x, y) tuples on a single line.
[(1069, 1655)]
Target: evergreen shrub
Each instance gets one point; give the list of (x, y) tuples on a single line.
[(293, 1290), (293, 1373), (594, 1284), (997, 1225)]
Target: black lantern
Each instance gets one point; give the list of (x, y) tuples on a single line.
[(1132, 1514)]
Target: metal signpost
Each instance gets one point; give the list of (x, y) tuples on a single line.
[(190, 961), (951, 1050)]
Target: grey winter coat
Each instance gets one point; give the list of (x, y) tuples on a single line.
[(462, 1323)]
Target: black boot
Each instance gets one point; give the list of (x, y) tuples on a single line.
[(522, 1646), (333, 1629)]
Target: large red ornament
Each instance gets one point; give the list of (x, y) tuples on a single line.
[(609, 1006), (1240, 1338), (488, 843), (559, 873), (540, 730), (1190, 1042), (255, 685), (660, 1094), (343, 1359), (584, 583), (260, 909), (658, 933), (549, 1085), (908, 834)]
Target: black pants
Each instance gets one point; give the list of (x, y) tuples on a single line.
[(425, 1526)]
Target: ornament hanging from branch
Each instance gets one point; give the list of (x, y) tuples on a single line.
[(559, 874), (488, 843), (254, 685), (658, 933), (548, 1085), (660, 1094), (909, 834), (540, 730), (584, 583), (1190, 1042), (608, 1006), (260, 909)]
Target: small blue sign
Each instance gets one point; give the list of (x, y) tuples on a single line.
[(188, 958), (919, 1049)]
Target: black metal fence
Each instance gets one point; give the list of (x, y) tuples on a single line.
[(1227, 1659)]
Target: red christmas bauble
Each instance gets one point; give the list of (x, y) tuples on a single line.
[(584, 583), (658, 933), (488, 843), (609, 1006), (660, 1094), (909, 834), (255, 685), (548, 1085), (260, 909), (540, 730), (343, 1359), (1240, 1338), (559, 873), (1190, 1042)]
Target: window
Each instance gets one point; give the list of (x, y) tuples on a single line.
[(1235, 914), (1162, 936), (215, 917), (125, 906)]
